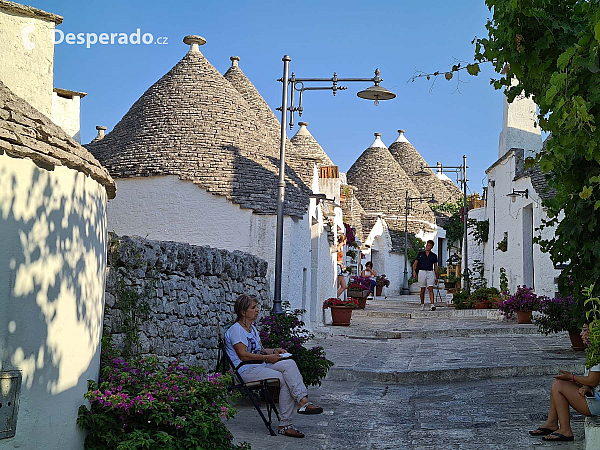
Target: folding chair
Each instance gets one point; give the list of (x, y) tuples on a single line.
[(224, 365), (438, 295)]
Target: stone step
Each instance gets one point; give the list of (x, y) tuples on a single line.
[(418, 314), (420, 377), (369, 333)]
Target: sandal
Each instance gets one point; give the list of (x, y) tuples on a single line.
[(312, 410), (290, 431), (558, 437), (541, 432)]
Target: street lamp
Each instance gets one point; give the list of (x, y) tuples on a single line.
[(374, 93), (462, 173), (409, 201)]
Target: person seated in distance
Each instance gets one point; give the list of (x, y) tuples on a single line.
[(242, 343), (580, 392), (370, 273)]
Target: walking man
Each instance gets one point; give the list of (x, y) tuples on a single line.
[(426, 266)]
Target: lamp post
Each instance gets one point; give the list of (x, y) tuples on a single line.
[(461, 171), (293, 84), (408, 206)]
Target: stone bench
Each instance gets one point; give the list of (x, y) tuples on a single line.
[(592, 433)]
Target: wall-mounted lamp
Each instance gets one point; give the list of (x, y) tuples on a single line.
[(320, 197), (514, 194)]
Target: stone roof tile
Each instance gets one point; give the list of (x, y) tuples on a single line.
[(307, 145), (411, 162), (194, 123), (382, 184), (27, 133)]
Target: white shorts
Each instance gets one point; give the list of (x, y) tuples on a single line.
[(426, 278)]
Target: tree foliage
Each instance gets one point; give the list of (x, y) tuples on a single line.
[(552, 48)]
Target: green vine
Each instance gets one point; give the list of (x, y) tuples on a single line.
[(131, 301), (480, 230), (503, 281), (415, 246), (551, 48)]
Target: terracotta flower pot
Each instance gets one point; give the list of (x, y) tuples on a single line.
[(378, 290), (576, 341), (356, 293), (524, 316), (362, 302), (341, 315)]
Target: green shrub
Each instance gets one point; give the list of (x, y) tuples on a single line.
[(462, 300), (287, 331), (141, 404)]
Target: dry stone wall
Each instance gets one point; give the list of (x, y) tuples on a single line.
[(189, 290)]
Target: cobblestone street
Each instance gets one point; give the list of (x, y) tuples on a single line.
[(440, 380)]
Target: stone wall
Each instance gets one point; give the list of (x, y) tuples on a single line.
[(190, 291)]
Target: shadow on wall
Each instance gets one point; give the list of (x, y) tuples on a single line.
[(52, 269)]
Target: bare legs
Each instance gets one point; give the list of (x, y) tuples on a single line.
[(562, 395), (431, 297), (341, 281)]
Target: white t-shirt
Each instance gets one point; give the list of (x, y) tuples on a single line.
[(251, 340), (595, 368)]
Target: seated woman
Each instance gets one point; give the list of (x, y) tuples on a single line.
[(576, 391), (370, 273), (242, 343)]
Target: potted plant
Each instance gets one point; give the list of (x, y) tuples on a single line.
[(351, 253), (359, 287), (288, 331), (592, 350), (381, 282), (523, 302), (484, 298), (561, 314), (341, 310), (451, 281)]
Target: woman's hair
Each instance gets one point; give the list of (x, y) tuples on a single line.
[(242, 303), (369, 264), (341, 238)]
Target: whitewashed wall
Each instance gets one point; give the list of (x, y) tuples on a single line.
[(506, 215), (66, 114), (52, 271), (166, 208), (27, 55)]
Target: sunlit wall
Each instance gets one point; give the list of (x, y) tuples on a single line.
[(52, 271)]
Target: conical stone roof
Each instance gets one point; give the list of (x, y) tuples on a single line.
[(301, 164), (382, 184), (353, 213), (26, 133), (411, 161), (306, 145), (193, 123), (454, 191)]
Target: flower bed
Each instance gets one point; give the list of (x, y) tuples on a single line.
[(140, 403)]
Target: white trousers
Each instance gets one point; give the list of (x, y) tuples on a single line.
[(292, 385)]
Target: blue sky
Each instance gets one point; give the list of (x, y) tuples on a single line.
[(352, 38)]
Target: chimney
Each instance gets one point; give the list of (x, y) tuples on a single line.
[(235, 60), (194, 41), (101, 129)]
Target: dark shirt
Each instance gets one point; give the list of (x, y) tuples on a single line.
[(426, 262)]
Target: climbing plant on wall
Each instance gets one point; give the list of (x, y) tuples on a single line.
[(552, 47)]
